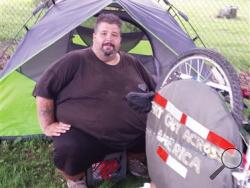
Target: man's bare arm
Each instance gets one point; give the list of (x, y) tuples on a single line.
[(45, 111), (46, 116)]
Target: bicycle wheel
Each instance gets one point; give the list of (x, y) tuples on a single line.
[(211, 68)]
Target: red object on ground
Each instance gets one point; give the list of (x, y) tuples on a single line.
[(106, 168), (245, 93), (245, 84)]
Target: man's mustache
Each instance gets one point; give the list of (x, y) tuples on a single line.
[(108, 44)]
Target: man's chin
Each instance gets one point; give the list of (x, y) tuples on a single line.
[(108, 53)]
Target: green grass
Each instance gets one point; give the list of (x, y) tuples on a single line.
[(29, 164), (13, 14)]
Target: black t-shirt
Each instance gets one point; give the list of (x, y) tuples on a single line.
[(90, 94)]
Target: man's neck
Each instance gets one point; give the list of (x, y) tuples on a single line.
[(114, 59)]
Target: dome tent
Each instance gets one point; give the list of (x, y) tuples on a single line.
[(53, 36)]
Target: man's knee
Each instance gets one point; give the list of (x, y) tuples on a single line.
[(67, 148), (68, 157)]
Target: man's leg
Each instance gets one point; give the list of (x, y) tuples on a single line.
[(75, 151), (137, 157), (136, 150)]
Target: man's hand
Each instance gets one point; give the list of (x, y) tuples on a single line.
[(56, 129), (139, 101), (45, 111)]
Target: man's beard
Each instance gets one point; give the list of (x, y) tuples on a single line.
[(110, 51)]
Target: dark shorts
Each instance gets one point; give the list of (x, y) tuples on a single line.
[(75, 151)]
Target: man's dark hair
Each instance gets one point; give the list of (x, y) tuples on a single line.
[(108, 18)]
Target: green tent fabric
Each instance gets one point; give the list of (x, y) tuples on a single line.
[(17, 107)]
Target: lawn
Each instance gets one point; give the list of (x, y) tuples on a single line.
[(13, 14), (29, 163)]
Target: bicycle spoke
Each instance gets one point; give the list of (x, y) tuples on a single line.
[(191, 68), (200, 69)]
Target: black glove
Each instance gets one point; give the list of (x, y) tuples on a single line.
[(140, 101)]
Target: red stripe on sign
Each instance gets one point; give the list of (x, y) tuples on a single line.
[(162, 153), (160, 100), (183, 119), (219, 141)]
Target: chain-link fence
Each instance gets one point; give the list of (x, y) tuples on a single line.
[(221, 24), (13, 15)]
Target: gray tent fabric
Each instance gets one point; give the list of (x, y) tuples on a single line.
[(152, 17), (58, 21), (66, 15), (179, 154), (34, 67)]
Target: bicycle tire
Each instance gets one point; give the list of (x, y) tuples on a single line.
[(226, 70)]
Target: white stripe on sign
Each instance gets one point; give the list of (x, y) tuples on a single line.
[(172, 162), (176, 166), (197, 127), (171, 108), (192, 124)]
